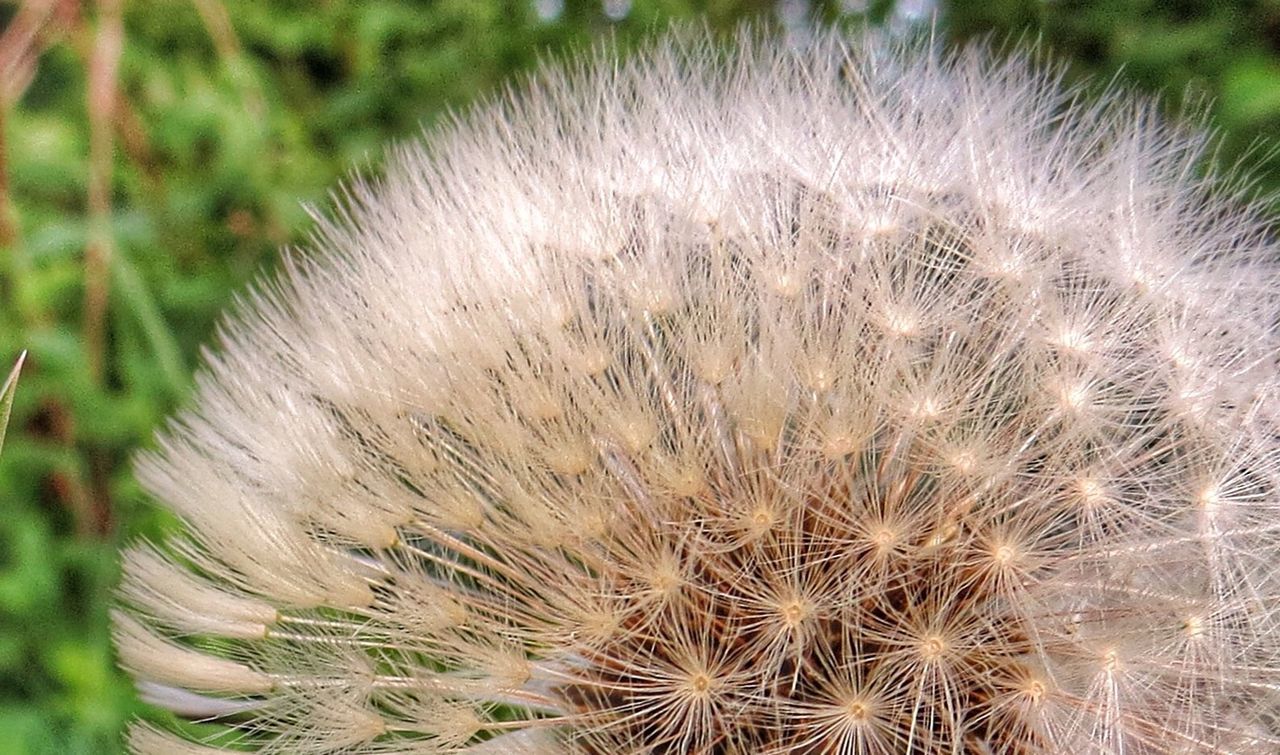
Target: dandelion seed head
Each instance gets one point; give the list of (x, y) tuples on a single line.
[(846, 398)]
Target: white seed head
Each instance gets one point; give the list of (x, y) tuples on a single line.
[(856, 398)]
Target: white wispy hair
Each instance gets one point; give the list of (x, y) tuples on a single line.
[(857, 398)]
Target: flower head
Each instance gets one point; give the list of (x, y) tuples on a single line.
[(846, 399)]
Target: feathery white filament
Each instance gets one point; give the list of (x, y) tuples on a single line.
[(846, 399)]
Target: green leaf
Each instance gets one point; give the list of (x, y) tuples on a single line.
[(6, 395)]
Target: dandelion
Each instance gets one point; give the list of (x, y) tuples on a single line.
[(856, 398)]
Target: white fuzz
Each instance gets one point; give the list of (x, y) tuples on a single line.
[(146, 740), (171, 595), (848, 399)]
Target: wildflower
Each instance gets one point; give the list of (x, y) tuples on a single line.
[(846, 399)]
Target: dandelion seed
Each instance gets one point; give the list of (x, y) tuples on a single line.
[(842, 399)]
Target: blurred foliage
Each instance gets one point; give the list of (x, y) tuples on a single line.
[(1222, 53), (128, 223)]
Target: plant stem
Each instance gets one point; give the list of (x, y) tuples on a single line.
[(103, 64)]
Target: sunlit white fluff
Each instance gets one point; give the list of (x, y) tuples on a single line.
[(848, 399)]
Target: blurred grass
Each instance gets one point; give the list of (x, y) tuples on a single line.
[(155, 155), (7, 390)]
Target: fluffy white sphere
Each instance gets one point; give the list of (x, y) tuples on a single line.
[(848, 399)]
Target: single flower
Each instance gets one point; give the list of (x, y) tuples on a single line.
[(851, 398)]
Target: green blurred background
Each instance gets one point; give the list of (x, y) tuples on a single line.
[(156, 154)]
